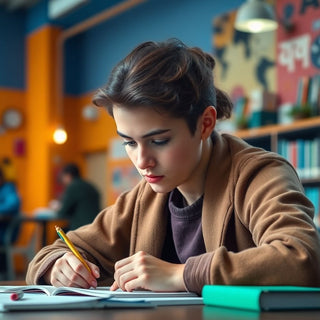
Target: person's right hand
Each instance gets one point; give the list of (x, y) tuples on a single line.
[(68, 271)]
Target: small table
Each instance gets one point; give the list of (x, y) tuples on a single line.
[(42, 220)]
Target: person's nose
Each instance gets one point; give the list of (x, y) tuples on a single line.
[(145, 158)]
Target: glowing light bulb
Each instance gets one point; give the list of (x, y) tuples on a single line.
[(60, 136), (255, 26)]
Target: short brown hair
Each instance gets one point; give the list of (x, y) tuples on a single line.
[(168, 76)]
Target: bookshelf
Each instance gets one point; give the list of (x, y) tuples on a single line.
[(269, 137), (299, 143), (272, 132)]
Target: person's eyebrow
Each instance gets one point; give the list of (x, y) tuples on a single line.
[(147, 135)]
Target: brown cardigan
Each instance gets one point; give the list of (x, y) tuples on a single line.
[(257, 225)]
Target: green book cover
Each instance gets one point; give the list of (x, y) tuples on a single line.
[(261, 298)]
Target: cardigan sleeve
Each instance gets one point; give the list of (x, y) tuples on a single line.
[(270, 204), (102, 242)]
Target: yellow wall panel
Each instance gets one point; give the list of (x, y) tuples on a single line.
[(40, 111)]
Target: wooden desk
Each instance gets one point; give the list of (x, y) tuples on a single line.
[(159, 313), (162, 313)]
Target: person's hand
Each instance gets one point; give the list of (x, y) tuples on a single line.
[(143, 271), (68, 271)]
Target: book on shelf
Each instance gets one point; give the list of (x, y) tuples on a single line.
[(308, 93), (313, 194), (303, 154), (261, 298), (314, 94)]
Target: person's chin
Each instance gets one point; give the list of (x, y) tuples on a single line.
[(160, 189)]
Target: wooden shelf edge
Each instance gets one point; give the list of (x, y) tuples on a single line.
[(278, 128), (310, 181)]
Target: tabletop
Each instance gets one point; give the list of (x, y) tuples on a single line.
[(195, 312), (162, 313)]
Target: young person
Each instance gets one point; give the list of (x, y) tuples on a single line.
[(210, 208)]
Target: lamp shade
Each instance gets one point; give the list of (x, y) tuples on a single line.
[(255, 16)]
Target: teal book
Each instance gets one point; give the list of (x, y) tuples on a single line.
[(261, 298)]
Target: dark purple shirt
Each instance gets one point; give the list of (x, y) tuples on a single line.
[(184, 233)]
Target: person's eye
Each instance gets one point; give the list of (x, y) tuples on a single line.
[(160, 142), (130, 143)]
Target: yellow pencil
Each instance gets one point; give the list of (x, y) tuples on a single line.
[(66, 240)]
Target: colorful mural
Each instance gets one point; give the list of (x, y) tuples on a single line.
[(245, 61), (298, 45)]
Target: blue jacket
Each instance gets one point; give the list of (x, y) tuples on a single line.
[(9, 205)]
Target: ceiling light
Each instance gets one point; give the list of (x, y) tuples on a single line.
[(255, 16)]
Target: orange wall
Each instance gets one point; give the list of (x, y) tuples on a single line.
[(94, 135), (41, 104), (36, 169), (15, 99)]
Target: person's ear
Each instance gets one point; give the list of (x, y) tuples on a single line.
[(209, 119)]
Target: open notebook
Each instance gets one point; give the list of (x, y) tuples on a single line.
[(103, 295), (101, 292)]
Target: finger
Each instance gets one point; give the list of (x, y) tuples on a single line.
[(125, 278), (136, 283), (58, 283), (61, 279), (94, 269), (121, 263), (119, 274), (79, 268), (114, 286), (64, 274)]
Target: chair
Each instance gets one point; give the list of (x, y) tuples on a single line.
[(12, 247)]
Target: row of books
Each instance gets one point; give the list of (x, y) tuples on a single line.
[(313, 194), (308, 93), (258, 109), (303, 154)]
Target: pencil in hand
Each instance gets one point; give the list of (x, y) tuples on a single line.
[(74, 250)]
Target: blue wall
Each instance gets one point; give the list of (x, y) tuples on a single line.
[(12, 49), (90, 56)]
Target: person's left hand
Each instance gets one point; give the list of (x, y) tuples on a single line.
[(143, 271)]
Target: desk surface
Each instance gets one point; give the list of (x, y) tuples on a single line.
[(162, 313)]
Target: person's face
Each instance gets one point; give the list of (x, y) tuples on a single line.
[(161, 147), (66, 179)]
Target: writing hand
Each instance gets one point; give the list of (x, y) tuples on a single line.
[(143, 271), (68, 271)]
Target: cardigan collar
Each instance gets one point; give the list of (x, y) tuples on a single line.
[(217, 203)]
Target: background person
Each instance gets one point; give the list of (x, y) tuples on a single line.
[(80, 201), (9, 208)]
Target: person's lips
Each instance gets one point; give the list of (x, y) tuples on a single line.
[(152, 178)]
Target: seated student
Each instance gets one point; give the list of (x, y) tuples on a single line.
[(81, 200), (9, 208), (211, 209)]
